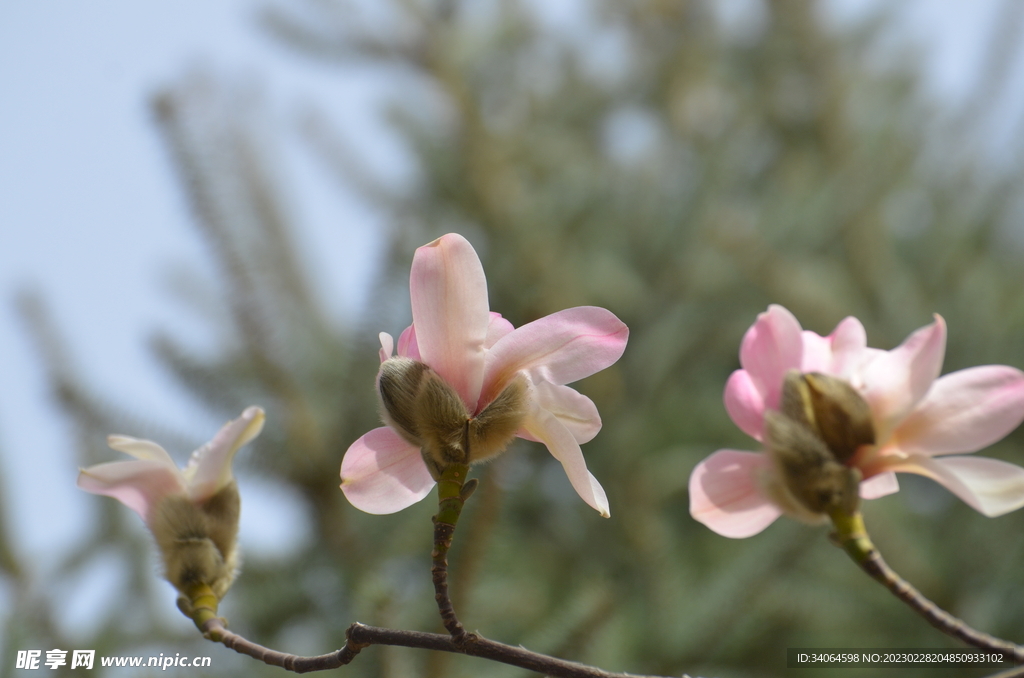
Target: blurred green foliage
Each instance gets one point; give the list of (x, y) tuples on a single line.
[(680, 171)]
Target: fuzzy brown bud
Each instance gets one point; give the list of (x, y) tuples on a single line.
[(822, 423), (198, 541), (426, 411)]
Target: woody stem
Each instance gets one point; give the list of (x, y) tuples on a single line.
[(203, 611), (852, 536), (451, 499)]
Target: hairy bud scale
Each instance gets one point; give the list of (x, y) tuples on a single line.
[(426, 411), (198, 542), (822, 423)]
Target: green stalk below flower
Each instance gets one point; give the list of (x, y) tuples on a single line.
[(452, 492)]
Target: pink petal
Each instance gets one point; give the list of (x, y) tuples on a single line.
[(497, 329), (575, 411), (140, 449), (817, 353), (407, 346), (725, 494), (139, 485), (989, 486), (563, 446), (561, 348), (895, 381), (382, 473), (849, 343), (744, 403), (838, 353), (387, 346), (772, 346), (450, 312), (879, 486), (212, 461), (964, 412)]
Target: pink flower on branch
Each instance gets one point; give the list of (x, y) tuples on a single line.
[(911, 419), (464, 383), (192, 512)]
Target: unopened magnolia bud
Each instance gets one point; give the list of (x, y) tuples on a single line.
[(810, 474), (842, 418), (426, 411), (198, 542), (822, 423)]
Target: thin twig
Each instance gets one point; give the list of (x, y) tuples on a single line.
[(453, 491), (852, 536), (214, 630), (202, 604), (450, 503), (361, 636), (467, 559)]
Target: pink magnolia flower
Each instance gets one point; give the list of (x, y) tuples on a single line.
[(153, 476), (193, 513), (918, 418), (478, 355)]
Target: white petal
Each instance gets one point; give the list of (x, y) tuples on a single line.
[(387, 345), (575, 411), (546, 428), (140, 449), (139, 485), (210, 465), (895, 381), (989, 486), (964, 412), (879, 486)]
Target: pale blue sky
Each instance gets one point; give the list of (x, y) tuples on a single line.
[(91, 214)]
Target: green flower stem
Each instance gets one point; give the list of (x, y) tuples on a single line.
[(852, 536), (202, 604), (451, 499)]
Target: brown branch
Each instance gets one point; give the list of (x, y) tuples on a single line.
[(201, 606), (361, 636), (214, 630), (953, 626), (853, 538), (443, 533), (466, 560)]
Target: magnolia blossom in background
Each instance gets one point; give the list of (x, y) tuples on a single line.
[(193, 512), (918, 419), (478, 354), (153, 476)]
